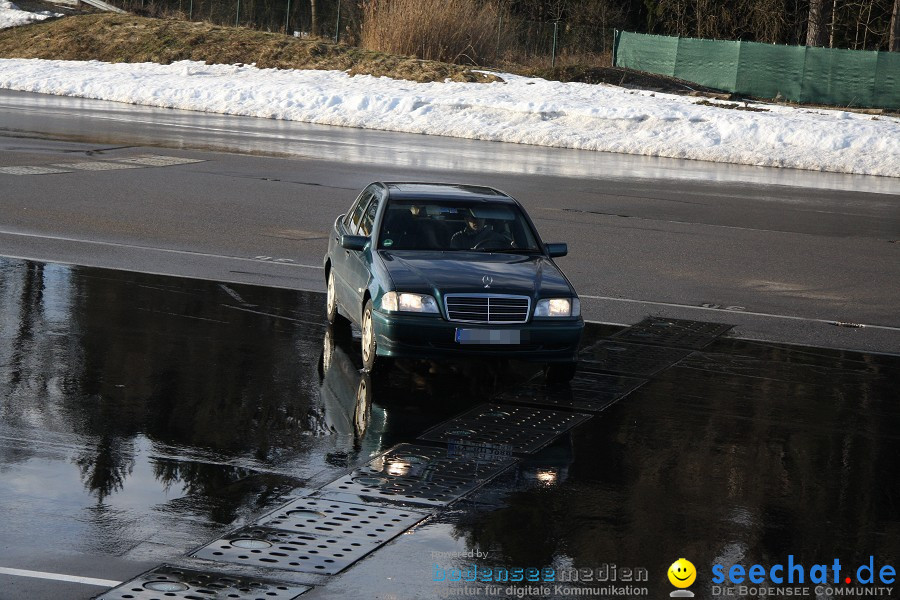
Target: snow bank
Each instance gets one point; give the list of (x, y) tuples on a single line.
[(520, 110), (12, 16)]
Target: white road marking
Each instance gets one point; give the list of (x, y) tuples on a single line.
[(736, 312), (168, 250), (96, 166), (157, 160), (31, 170), (266, 314), (59, 577), (232, 293), (135, 162)]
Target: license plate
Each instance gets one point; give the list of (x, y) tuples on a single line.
[(488, 336)]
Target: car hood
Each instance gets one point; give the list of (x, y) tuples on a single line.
[(439, 273)]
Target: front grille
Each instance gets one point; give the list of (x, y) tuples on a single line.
[(487, 308)]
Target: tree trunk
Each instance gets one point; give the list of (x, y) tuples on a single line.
[(894, 43), (313, 19), (833, 21), (815, 29)]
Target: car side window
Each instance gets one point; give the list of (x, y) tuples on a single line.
[(365, 227), (355, 215)]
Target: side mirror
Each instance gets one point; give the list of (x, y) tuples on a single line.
[(557, 250), (354, 242)]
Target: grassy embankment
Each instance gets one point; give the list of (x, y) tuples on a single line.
[(132, 39)]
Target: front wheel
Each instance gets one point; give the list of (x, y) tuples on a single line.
[(369, 349), (331, 304), (560, 372)]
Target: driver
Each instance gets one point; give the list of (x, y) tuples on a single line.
[(474, 233)]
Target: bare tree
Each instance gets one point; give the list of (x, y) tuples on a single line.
[(894, 41), (815, 30), (313, 19), (834, 12), (763, 21)]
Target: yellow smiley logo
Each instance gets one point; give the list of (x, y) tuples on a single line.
[(682, 573)]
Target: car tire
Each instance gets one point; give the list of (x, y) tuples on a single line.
[(558, 373), (331, 305), (369, 346), (363, 410)]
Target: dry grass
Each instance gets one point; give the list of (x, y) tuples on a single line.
[(455, 31), (566, 62), (128, 38)]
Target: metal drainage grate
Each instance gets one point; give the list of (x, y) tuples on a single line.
[(167, 581), (420, 461), (588, 382), (156, 160), (592, 392), (630, 359), (520, 416), (524, 430), (340, 519), (541, 395), (673, 332), (433, 491), (415, 475), (287, 550)]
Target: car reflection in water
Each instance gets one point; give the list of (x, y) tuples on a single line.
[(374, 412), (346, 395)]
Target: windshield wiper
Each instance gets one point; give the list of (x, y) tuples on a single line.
[(508, 250)]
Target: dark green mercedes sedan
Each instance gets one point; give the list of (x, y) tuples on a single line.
[(431, 270)]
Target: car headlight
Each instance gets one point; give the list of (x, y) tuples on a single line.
[(406, 302), (558, 307)]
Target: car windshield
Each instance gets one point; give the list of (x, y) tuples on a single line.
[(431, 224)]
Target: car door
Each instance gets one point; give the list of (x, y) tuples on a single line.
[(341, 258), (359, 263)]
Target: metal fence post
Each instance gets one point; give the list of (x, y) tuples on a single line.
[(337, 27), (191, 11), (615, 48), (237, 13), (287, 19), (555, 36)]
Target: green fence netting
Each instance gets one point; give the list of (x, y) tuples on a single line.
[(798, 73), (656, 57), (757, 64), (694, 61)]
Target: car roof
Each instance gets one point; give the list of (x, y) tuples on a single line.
[(445, 191)]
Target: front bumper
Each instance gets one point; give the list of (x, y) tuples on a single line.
[(431, 336)]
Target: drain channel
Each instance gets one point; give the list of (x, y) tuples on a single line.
[(523, 429), (415, 475), (167, 581), (279, 549), (588, 391), (629, 359), (681, 333), (343, 519)]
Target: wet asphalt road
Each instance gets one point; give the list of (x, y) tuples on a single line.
[(143, 417), (781, 254)]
